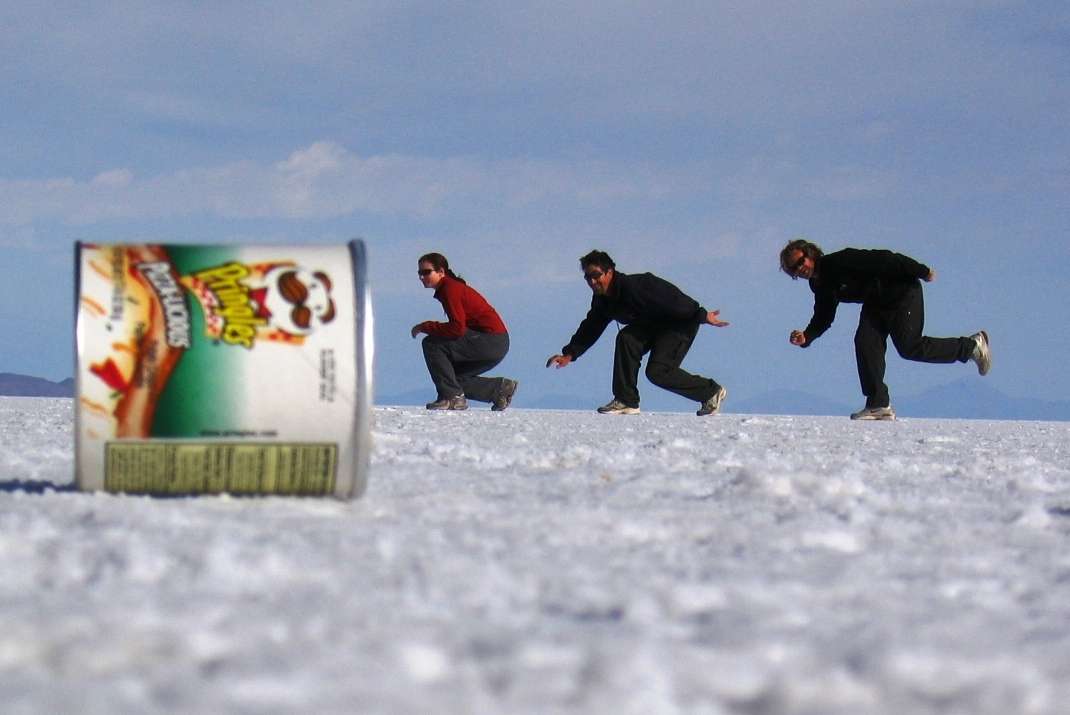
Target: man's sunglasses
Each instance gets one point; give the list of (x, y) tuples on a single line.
[(424, 272), (593, 276), (797, 266)]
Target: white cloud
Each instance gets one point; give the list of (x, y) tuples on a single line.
[(325, 180), (115, 178)]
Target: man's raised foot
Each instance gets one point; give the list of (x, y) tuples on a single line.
[(982, 353)]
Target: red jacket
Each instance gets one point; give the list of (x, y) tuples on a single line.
[(466, 310)]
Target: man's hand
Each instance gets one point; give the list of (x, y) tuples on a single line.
[(559, 361), (712, 319), (417, 329), (797, 337), (931, 277)]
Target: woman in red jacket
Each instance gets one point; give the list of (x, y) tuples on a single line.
[(472, 341)]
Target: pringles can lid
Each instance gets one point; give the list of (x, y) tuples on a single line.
[(209, 369)]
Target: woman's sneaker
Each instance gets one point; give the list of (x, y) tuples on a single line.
[(505, 397), (874, 413), (982, 354), (616, 407), (713, 405)]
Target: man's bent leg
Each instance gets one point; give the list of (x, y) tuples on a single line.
[(907, 324), (871, 340), (632, 343), (663, 368)]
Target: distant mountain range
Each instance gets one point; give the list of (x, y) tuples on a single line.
[(964, 398), (973, 398), (26, 386)]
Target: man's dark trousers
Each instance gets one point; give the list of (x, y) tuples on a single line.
[(667, 346), (903, 322), (455, 364)]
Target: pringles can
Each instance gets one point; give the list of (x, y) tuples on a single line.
[(209, 369)]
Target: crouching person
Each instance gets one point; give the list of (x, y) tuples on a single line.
[(659, 319), (472, 341)]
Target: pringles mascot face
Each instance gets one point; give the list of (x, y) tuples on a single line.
[(296, 300), (277, 302)]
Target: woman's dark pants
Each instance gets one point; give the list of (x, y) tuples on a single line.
[(455, 364)]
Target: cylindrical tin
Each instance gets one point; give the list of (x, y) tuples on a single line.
[(223, 369)]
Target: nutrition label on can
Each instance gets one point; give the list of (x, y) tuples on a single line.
[(299, 469)]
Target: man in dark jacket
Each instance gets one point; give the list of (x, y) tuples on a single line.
[(659, 318), (888, 286)]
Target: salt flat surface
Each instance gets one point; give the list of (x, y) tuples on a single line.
[(550, 562)]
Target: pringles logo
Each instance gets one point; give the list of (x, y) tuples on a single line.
[(279, 301), (240, 320)]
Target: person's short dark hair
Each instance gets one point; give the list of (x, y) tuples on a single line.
[(810, 250), (598, 258)]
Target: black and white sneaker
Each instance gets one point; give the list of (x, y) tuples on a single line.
[(982, 353), (874, 413), (713, 405)]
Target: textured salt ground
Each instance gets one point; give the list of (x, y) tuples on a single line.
[(533, 561)]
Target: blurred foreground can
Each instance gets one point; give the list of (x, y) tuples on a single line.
[(211, 369)]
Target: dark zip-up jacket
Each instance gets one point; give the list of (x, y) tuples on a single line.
[(638, 298), (858, 275)]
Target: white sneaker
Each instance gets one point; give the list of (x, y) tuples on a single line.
[(713, 405), (982, 354), (616, 407), (874, 413)]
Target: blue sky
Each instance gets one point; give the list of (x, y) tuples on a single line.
[(690, 139)]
